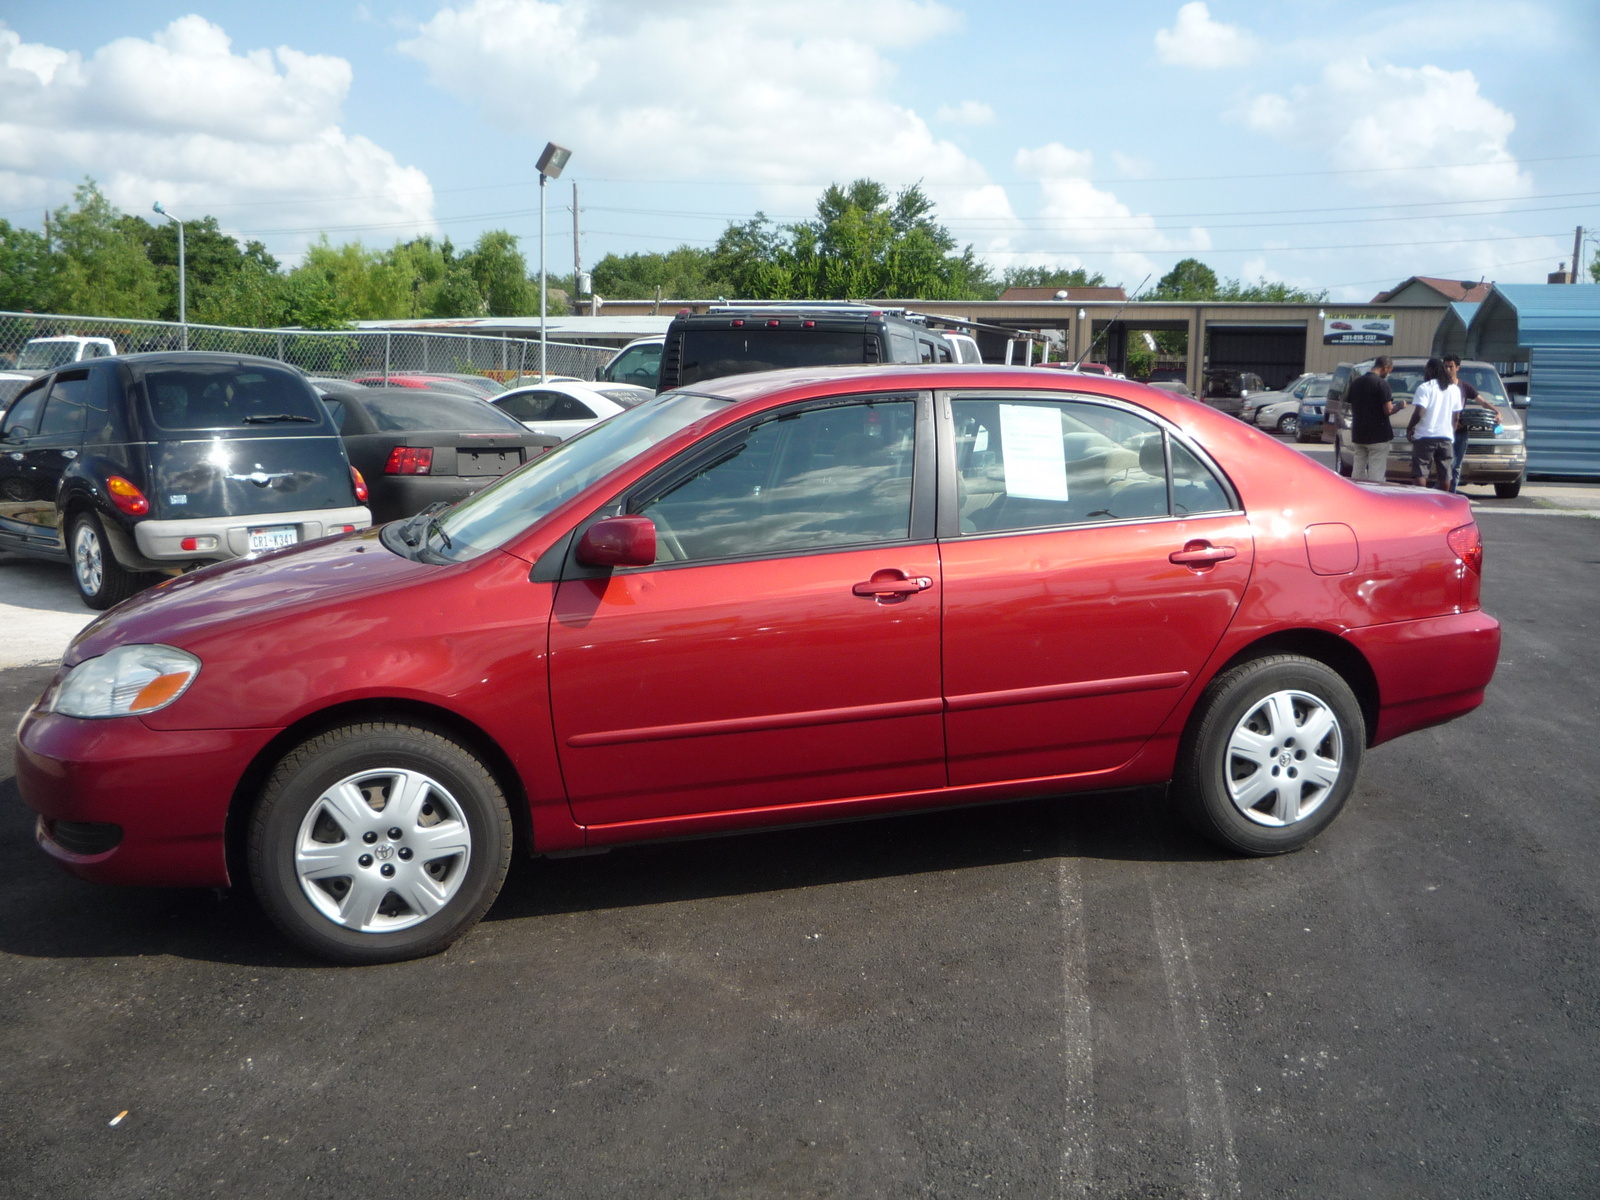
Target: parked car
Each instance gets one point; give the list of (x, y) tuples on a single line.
[(638, 363), (1225, 390), (130, 466), (794, 596), (47, 353), (564, 409), (1280, 411), (1310, 415), (736, 339), (417, 449), (964, 345), (465, 385), (1497, 451)]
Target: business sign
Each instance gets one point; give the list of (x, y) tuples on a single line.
[(1358, 329)]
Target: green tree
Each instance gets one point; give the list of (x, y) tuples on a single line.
[(1190, 279), (1055, 277), (24, 269), (97, 269), (212, 259), (501, 275), (680, 274)]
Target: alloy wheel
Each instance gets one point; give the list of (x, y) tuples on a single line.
[(87, 559)]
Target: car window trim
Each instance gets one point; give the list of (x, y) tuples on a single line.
[(948, 526), (696, 458)]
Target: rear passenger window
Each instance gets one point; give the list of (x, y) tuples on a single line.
[(1194, 488), (1026, 464), (65, 412)]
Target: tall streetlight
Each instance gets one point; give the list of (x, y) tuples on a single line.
[(183, 294), (550, 163)]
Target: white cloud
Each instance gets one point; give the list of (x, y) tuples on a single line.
[(787, 94), (968, 112), (1080, 223), (1195, 40), (1376, 115), (183, 118)]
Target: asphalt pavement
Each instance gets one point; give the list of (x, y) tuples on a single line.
[(1056, 998)]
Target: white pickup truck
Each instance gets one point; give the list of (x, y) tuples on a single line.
[(42, 354)]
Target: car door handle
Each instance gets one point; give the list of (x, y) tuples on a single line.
[(1201, 554), (891, 583), (69, 454)]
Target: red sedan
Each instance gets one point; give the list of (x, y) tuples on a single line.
[(795, 596)]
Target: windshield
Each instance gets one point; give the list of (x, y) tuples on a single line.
[(41, 356), (1487, 381), (513, 503), (713, 353), (637, 364), (425, 410)]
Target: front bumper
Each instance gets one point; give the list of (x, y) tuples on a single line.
[(1491, 461), (229, 537), (168, 793)]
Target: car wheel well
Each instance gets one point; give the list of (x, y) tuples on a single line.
[(1330, 650), (413, 712)]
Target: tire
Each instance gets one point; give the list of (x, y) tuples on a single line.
[(1289, 425), (1241, 737), (102, 581), (1510, 491), (354, 883), (1338, 460)]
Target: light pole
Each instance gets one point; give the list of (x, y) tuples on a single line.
[(183, 295), (550, 163)]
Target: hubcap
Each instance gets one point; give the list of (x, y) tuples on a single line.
[(383, 850), (1284, 758), (86, 561)]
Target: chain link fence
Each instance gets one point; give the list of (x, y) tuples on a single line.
[(347, 354)]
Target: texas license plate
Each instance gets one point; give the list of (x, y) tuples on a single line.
[(273, 537)]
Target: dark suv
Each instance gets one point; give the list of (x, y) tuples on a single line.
[(737, 339), (150, 462)]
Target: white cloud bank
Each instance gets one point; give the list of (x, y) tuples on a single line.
[(184, 119), (1195, 40), (786, 94)]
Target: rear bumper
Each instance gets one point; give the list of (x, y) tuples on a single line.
[(167, 792), (229, 537), (1429, 671), (396, 496)]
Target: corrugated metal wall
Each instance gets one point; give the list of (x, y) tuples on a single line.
[(1564, 419)]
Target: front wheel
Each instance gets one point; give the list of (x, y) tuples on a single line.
[(1289, 424), (1510, 491), (379, 842), (1270, 755)]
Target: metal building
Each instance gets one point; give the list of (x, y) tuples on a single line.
[(1555, 329)]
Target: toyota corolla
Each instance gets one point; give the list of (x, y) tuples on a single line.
[(795, 596)]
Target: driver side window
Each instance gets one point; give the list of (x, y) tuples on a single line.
[(802, 480)]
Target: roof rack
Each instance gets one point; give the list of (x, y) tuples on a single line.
[(849, 308)]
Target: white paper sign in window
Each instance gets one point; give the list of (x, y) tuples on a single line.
[(1035, 454)]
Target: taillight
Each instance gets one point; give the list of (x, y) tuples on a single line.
[(1467, 543), (409, 460), (360, 485), (127, 497)]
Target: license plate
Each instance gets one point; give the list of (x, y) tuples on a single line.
[(273, 537), (487, 462)]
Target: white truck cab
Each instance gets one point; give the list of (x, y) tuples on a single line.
[(48, 353)]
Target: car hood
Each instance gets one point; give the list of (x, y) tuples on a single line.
[(251, 591)]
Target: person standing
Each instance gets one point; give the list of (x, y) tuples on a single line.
[(1371, 403), (1432, 428), (1469, 395)]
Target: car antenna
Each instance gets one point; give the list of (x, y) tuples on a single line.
[(1113, 321)]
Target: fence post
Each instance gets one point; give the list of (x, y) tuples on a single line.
[(388, 338)]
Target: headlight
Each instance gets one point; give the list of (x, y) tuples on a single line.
[(126, 682)]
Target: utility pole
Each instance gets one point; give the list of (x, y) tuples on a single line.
[(1577, 253), (577, 258)]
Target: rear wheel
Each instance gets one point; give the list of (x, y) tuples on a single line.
[(1270, 755), (379, 842), (1338, 460), (102, 581)]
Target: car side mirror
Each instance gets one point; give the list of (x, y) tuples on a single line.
[(1519, 402), (618, 542)]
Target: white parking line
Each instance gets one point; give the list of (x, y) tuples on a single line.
[(1077, 1036), (1536, 512), (1216, 1165)]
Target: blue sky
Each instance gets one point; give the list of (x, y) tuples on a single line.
[(1339, 145)]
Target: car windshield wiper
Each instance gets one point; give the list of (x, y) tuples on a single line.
[(419, 530), (275, 418)]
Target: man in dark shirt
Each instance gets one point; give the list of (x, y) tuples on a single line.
[(1370, 402), (1469, 395)]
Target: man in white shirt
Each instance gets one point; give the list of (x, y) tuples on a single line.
[(1432, 428)]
